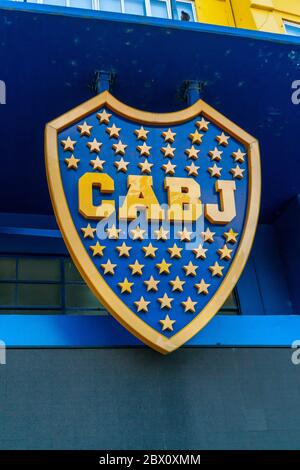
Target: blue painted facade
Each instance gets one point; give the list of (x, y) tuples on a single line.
[(241, 396), (52, 79)]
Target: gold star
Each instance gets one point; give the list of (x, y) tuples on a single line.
[(163, 267), (185, 236), (215, 171), (167, 323), (238, 156), (113, 131), (192, 153), (161, 234), (202, 125), (168, 151), (103, 117), (113, 232), (175, 251), (121, 165), (85, 129), (124, 250), (145, 166), (137, 233), (142, 304), (190, 269), (192, 169), (202, 287), (125, 286), (177, 284), (200, 252), (165, 301), (94, 146), (88, 231), (215, 154), (108, 267), (119, 148), (168, 168), (224, 253), (195, 137), (189, 305), (222, 139), (216, 270), (72, 162), (141, 133), (97, 249), (136, 268), (144, 149), (208, 236), (230, 236), (169, 136), (149, 250), (68, 144), (97, 164), (151, 284), (237, 172)]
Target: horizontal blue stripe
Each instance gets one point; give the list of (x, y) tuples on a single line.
[(97, 331)]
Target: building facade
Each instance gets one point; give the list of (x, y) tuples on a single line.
[(74, 378)]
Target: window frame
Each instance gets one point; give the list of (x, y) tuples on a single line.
[(61, 309), (96, 6), (292, 24), (192, 3)]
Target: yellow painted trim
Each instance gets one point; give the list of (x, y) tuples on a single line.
[(77, 250), (265, 15), (214, 12)]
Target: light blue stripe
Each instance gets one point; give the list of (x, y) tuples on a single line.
[(97, 331)]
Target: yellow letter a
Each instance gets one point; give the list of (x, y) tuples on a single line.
[(140, 197)]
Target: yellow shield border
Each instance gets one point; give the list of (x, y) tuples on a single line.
[(77, 251)]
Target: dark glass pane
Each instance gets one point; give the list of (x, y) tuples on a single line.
[(228, 312), (80, 296), (39, 294), (7, 294), (71, 272), (230, 307), (39, 269), (230, 302), (7, 269)]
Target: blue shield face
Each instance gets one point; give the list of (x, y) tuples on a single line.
[(157, 211)]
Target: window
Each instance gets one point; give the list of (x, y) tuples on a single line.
[(44, 285), (52, 285), (111, 5), (135, 7), (231, 305), (292, 28), (183, 10), (160, 9)]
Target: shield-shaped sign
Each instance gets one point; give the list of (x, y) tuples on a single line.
[(158, 211)]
